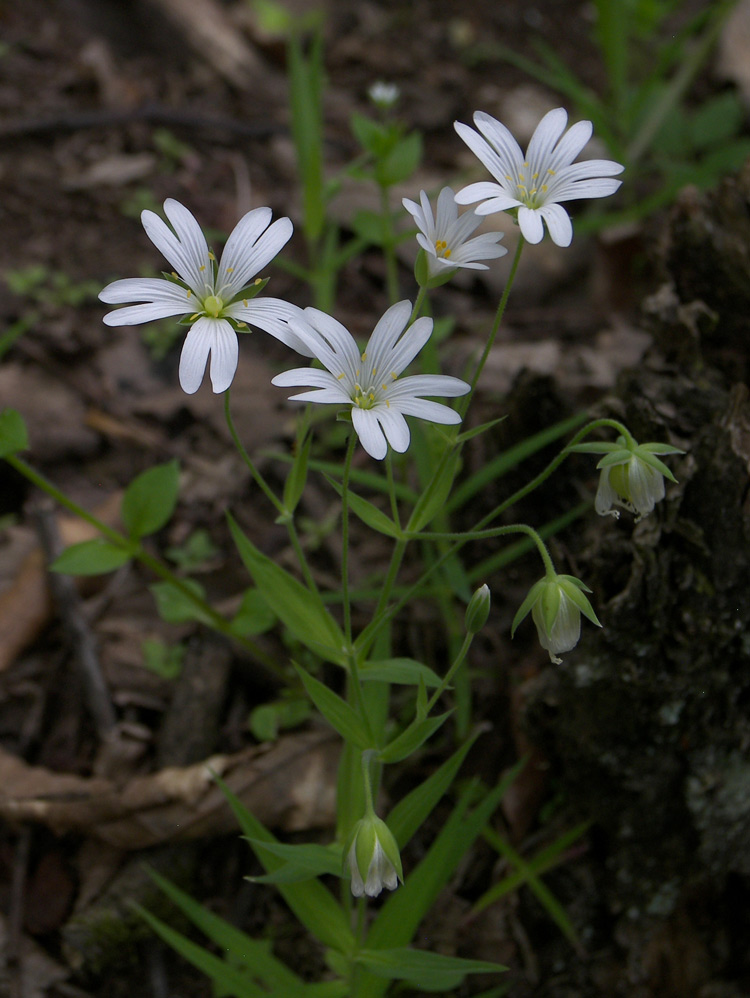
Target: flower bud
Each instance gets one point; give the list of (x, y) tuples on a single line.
[(478, 610), (556, 603), (373, 858)]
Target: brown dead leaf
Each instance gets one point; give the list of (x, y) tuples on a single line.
[(26, 605), (288, 785)]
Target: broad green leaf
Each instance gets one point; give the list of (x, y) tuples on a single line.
[(174, 605), (431, 971), (163, 659), (412, 737), (371, 135), (311, 902), (150, 499), (238, 945), (94, 557), (301, 610), (336, 711), (401, 161), (404, 671), (269, 718), (254, 615), (411, 812), (13, 435), (369, 513)]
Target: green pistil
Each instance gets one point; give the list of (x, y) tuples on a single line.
[(213, 306)]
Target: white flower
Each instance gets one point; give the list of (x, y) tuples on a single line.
[(217, 299), (556, 603), (373, 858), (536, 183), (445, 237), (383, 94), (632, 477), (369, 382)]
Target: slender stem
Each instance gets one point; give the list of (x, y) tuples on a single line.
[(392, 488), (421, 296), (345, 538), (457, 662), (257, 477), (466, 400), (207, 612)]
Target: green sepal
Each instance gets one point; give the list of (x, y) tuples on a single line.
[(250, 291), (619, 456), (525, 608), (595, 447), (550, 604), (572, 588), (650, 459)]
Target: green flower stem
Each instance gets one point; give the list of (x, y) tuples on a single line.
[(257, 477), (367, 757), (455, 665), (219, 623), (383, 616), (466, 400), (271, 496), (345, 538), (392, 488), (421, 296)]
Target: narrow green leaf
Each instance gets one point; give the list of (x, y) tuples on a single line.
[(13, 435), (311, 859), (432, 971), (150, 499), (433, 499), (241, 947), (294, 485), (368, 513), (94, 557), (404, 671), (311, 902), (476, 430), (412, 737), (412, 811), (299, 609), (336, 711)]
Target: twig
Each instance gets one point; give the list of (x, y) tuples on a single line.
[(82, 640), (15, 916)]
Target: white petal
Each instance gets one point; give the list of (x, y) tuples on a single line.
[(606, 497), (595, 188), (395, 428), (185, 248), (369, 432), (502, 203), (530, 223), (274, 316), (152, 289), (358, 886), (195, 351), (500, 138), (447, 212), (379, 349), (224, 355), (546, 134), (326, 396), (407, 348), (433, 412), (646, 485), (570, 145), (149, 312), (306, 376), (427, 384), (247, 257), (558, 223), (342, 354), (485, 189)]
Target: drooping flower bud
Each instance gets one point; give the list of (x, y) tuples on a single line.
[(556, 603), (632, 476), (373, 858)]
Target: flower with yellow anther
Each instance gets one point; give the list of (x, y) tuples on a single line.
[(444, 237), (534, 184)]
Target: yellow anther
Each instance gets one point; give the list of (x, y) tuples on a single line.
[(544, 188), (534, 176), (551, 173), (394, 375), (388, 403), (340, 376), (230, 270), (189, 292), (364, 356), (384, 386), (508, 176), (202, 267), (372, 396), (447, 253), (525, 162), (194, 316), (257, 281), (244, 302), (175, 274), (211, 256), (374, 371)]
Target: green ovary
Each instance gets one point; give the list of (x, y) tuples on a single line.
[(212, 306)]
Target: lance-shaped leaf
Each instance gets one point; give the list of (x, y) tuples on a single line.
[(150, 499), (336, 711), (13, 435), (431, 971), (368, 513), (301, 610), (94, 557)]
